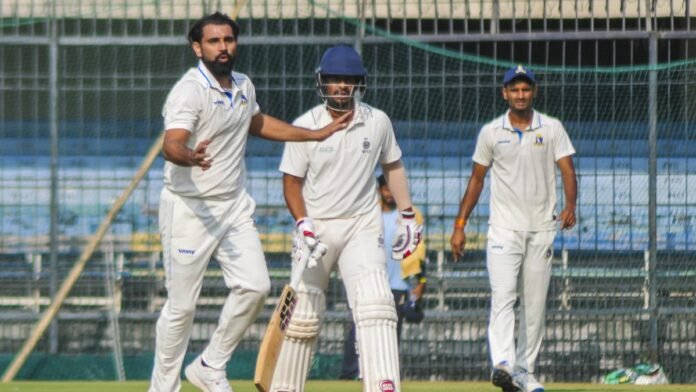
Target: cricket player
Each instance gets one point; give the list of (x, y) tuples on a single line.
[(522, 149), (205, 210), (330, 190)]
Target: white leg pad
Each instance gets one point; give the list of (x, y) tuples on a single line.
[(295, 357), (375, 318)]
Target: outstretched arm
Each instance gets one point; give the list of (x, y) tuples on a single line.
[(570, 189), (471, 197), (271, 128)]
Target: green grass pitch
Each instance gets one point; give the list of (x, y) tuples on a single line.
[(329, 386)]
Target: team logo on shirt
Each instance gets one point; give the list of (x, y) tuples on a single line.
[(539, 140), (366, 146), (380, 241)]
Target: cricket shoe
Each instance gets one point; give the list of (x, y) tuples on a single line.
[(206, 378), (527, 382), (502, 377)]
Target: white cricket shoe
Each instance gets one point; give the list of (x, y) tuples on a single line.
[(527, 382), (206, 378), (502, 377)]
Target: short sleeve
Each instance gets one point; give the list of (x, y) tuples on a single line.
[(255, 108), (182, 107), (483, 154), (390, 149), (294, 160), (563, 146)]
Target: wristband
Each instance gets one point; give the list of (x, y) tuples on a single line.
[(408, 213), (459, 223)]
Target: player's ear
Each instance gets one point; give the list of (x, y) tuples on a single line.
[(196, 46), (503, 91)]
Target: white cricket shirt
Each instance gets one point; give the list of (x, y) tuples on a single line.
[(200, 105), (339, 171), (523, 170)]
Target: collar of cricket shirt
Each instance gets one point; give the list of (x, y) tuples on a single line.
[(535, 124)]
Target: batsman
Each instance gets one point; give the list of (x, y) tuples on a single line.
[(330, 190)]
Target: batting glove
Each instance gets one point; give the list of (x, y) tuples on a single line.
[(300, 250), (317, 254), (408, 235), (305, 228)]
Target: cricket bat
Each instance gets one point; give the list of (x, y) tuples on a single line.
[(275, 332)]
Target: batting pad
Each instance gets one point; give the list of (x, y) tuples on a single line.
[(300, 337), (375, 319)]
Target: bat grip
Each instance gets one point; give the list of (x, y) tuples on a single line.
[(319, 251)]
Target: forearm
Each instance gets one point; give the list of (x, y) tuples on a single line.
[(570, 184), (178, 154), (395, 174), (175, 148), (570, 189), (292, 191), (471, 197), (271, 128)]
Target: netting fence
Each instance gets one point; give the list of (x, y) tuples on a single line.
[(82, 84)]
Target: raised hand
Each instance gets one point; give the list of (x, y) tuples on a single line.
[(338, 124)]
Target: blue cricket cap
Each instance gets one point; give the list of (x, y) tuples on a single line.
[(519, 72)]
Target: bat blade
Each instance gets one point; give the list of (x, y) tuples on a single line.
[(273, 339)]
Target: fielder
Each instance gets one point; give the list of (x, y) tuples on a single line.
[(330, 190), (205, 210), (522, 149)]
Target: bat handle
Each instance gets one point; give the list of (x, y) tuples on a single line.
[(316, 254)]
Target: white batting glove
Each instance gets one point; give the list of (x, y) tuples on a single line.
[(408, 235), (316, 255), (305, 228), (299, 248)]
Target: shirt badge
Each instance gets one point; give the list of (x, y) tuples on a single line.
[(366, 146), (539, 140)]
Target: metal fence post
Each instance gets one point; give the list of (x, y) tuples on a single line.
[(53, 116), (652, 195)]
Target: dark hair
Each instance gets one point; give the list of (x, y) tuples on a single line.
[(381, 180), (196, 33)]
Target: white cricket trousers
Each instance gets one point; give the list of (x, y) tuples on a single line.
[(193, 230), (356, 247), (519, 263)]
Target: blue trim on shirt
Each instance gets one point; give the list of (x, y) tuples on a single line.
[(228, 94)]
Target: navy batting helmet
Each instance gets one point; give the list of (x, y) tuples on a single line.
[(341, 61)]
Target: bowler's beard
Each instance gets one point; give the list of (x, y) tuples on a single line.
[(219, 68)]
